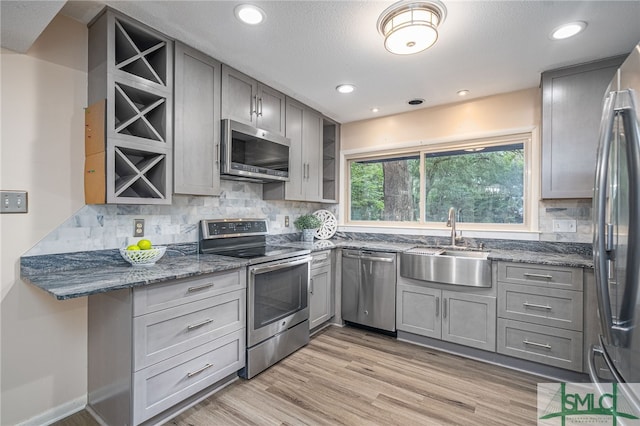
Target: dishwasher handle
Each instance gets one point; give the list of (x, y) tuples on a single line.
[(369, 256)]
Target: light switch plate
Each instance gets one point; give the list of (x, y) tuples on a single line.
[(565, 225), (13, 202)]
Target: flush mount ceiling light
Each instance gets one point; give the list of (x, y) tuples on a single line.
[(568, 30), (249, 14), (411, 26), (346, 88), (463, 92)]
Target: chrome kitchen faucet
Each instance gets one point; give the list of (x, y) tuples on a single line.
[(451, 223)]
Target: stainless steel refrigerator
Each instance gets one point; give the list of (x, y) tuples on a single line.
[(617, 230)]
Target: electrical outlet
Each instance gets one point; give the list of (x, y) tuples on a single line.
[(13, 202), (138, 227), (568, 225), (286, 221)]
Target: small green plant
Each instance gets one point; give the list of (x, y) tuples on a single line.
[(307, 221)]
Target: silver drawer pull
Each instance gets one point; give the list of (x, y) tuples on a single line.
[(199, 287), (540, 345), (200, 370), (533, 305), (200, 324), (541, 276)]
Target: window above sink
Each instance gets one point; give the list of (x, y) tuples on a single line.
[(486, 181)]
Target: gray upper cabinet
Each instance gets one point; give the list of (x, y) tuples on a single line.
[(197, 123), (304, 129), (130, 97), (249, 101), (571, 110), (330, 155)]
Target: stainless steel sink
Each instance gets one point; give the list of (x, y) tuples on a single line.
[(454, 267), (465, 253)]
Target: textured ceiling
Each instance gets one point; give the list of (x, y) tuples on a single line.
[(307, 48), (21, 22)]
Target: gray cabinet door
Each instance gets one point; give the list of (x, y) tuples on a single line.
[(418, 310), (312, 155), (239, 95), (571, 109), (197, 123), (320, 296), (295, 112), (270, 110), (304, 130), (469, 320)]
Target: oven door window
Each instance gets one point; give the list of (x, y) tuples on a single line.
[(279, 293)]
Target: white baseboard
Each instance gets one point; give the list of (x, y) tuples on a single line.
[(57, 413)]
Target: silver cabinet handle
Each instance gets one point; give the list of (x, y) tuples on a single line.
[(254, 105), (217, 154), (200, 370), (199, 287), (260, 103), (541, 276), (311, 286), (539, 345), (444, 308), (437, 306), (533, 305), (200, 324)]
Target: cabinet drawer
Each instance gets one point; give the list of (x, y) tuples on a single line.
[(539, 343), (166, 295), (320, 259), (167, 383), (539, 305), (544, 276), (163, 334)]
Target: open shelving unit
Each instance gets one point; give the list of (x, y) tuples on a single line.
[(131, 69)]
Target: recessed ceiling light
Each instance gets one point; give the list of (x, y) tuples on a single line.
[(346, 88), (249, 14), (463, 92), (416, 101), (568, 30), (374, 110)]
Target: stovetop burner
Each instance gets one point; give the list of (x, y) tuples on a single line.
[(243, 238)]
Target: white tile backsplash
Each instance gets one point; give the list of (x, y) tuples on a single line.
[(99, 227)]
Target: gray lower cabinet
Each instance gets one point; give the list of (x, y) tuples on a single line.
[(454, 316), (547, 345), (540, 314), (197, 122), (571, 109), (154, 350), (320, 289)]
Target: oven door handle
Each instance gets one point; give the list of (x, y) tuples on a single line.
[(263, 269)]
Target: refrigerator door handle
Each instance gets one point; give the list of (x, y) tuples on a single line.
[(600, 257), (630, 125)]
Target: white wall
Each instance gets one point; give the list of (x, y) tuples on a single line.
[(501, 114), (43, 341)]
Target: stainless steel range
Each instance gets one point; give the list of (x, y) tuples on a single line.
[(277, 283)]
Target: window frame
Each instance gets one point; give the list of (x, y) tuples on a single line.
[(420, 149)]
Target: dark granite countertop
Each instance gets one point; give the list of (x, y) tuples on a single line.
[(574, 260), (71, 275)]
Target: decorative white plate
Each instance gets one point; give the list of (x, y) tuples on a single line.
[(329, 224)]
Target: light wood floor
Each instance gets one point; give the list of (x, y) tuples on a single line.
[(354, 377)]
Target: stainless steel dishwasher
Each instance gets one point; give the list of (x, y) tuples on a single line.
[(369, 288)]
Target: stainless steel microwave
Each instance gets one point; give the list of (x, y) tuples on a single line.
[(253, 154)]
